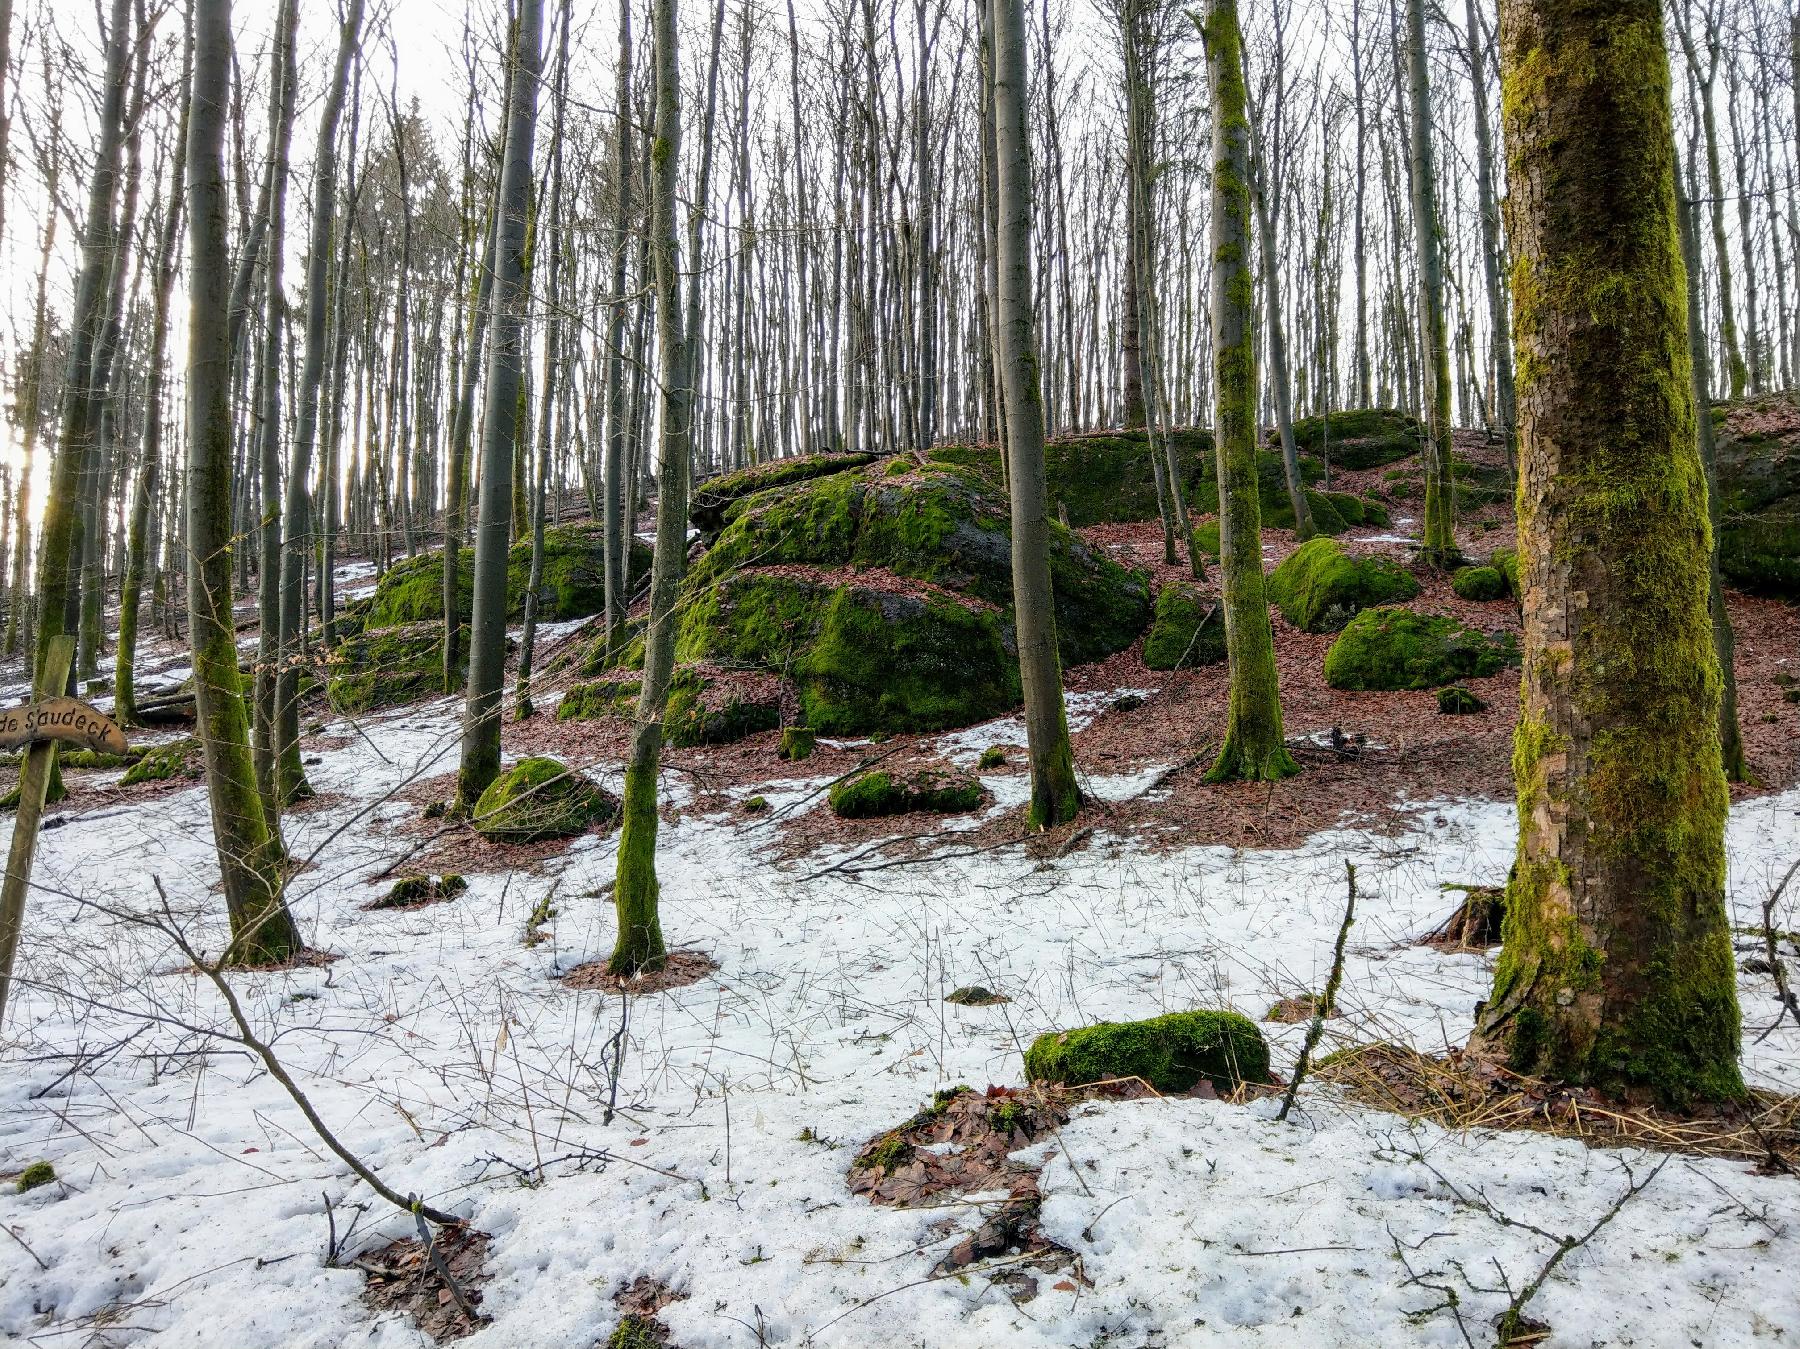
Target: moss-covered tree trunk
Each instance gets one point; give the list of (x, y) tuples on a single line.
[(1440, 487), (1731, 738), (139, 545), (636, 890), (1254, 747), (618, 546), (290, 774), (1617, 966), (1054, 795), (262, 928), (500, 421)]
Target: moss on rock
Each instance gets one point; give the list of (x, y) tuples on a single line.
[(797, 743), (540, 798), (410, 892), (1319, 588), (1105, 478), (1479, 583), (1389, 648), (712, 500), (1173, 1053), (878, 793), (383, 667), (1506, 562), (1457, 701), (597, 699), (706, 710), (159, 763), (1187, 631), (1360, 438), (36, 1175)]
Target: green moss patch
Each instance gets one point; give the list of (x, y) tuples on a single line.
[(873, 794), (1479, 583), (539, 798), (1360, 438), (597, 699), (1105, 478), (412, 892), (1319, 588), (1173, 1053), (1390, 648), (36, 1175), (385, 667), (1187, 631), (1506, 562), (709, 709), (160, 763), (797, 743), (1457, 701), (712, 499)]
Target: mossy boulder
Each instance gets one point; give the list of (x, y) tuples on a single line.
[(1456, 701), (1506, 562), (597, 699), (712, 500), (160, 763), (716, 708), (384, 667), (1389, 648), (877, 793), (797, 743), (1758, 459), (412, 892), (1173, 1053), (1104, 478), (1187, 631), (1360, 438), (573, 583), (540, 798), (1479, 583), (885, 599), (1318, 587)]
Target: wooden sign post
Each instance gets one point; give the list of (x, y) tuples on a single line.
[(40, 726)]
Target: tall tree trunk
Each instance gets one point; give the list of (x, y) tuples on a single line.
[(1505, 403), (618, 545), (19, 623), (1440, 485), (262, 928), (500, 421), (285, 78), (1731, 739), (139, 550), (1254, 747), (1617, 966), (635, 891), (1054, 795), (290, 774)]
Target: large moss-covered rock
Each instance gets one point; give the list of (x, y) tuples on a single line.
[(1173, 1053), (1361, 438), (573, 583), (384, 667), (1758, 458), (596, 699), (878, 793), (1479, 583), (713, 500), (1399, 649), (884, 597), (1187, 631), (160, 763), (709, 707), (540, 798), (1319, 588), (1104, 478)]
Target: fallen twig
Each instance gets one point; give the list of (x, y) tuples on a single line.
[(1322, 1009)]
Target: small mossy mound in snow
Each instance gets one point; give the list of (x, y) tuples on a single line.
[(36, 1175), (1173, 1053), (540, 798), (872, 794), (1187, 631), (1391, 648), (1319, 588), (573, 583), (383, 667), (1360, 438), (412, 892), (885, 599), (1758, 458), (1479, 583), (159, 763)]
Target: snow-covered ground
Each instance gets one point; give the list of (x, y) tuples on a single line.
[(191, 1204)]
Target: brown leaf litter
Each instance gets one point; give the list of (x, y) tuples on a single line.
[(403, 1276)]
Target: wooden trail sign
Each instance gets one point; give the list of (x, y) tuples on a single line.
[(65, 719)]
